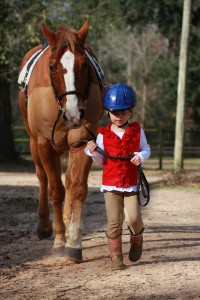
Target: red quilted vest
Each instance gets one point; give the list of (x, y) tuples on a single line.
[(116, 172)]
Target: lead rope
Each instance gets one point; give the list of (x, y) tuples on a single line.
[(56, 121), (144, 185), (142, 181)]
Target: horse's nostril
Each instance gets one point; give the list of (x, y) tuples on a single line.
[(82, 113)]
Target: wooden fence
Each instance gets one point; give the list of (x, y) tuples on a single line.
[(161, 142)]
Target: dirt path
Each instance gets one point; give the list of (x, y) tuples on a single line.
[(169, 268)]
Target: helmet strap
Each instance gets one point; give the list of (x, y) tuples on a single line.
[(123, 124)]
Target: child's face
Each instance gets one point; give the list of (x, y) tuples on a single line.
[(120, 117)]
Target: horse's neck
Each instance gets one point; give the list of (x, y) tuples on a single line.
[(94, 105)]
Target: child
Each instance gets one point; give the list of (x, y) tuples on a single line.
[(119, 182)]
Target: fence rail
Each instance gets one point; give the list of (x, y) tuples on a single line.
[(161, 142)]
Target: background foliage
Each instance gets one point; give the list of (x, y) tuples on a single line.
[(136, 42)]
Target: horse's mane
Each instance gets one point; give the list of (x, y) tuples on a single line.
[(68, 35)]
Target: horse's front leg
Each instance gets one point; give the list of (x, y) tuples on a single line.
[(76, 192), (44, 228), (52, 166)]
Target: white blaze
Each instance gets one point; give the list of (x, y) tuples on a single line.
[(67, 62)]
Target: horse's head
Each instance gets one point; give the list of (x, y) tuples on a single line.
[(70, 71)]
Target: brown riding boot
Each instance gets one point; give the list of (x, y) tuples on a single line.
[(136, 242), (115, 247)]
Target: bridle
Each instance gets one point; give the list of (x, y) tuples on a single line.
[(67, 93)]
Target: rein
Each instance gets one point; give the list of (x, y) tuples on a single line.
[(142, 181)]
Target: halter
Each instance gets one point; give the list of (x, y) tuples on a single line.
[(66, 93)]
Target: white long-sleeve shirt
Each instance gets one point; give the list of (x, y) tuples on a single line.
[(144, 153)]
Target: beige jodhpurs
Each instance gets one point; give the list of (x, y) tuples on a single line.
[(120, 206)]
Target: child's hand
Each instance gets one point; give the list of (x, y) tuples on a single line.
[(91, 146), (136, 160)]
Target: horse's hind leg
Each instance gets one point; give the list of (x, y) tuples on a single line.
[(44, 228)]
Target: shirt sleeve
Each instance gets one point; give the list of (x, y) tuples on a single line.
[(144, 151), (97, 157)]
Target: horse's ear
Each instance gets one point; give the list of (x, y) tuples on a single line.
[(82, 33), (49, 35)]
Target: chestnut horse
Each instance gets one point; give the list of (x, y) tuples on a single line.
[(63, 99)]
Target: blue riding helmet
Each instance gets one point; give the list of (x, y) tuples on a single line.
[(119, 97)]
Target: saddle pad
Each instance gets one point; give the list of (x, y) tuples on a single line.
[(98, 69), (27, 69)]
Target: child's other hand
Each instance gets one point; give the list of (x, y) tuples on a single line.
[(91, 146), (136, 160)]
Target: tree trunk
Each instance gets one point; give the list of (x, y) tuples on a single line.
[(7, 150), (180, 114), (129, 60), (144, 99)]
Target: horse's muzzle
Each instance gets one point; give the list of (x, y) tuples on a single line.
[(74, 121)]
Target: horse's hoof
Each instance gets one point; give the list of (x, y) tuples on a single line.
[(74, 254), (45, 233)]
